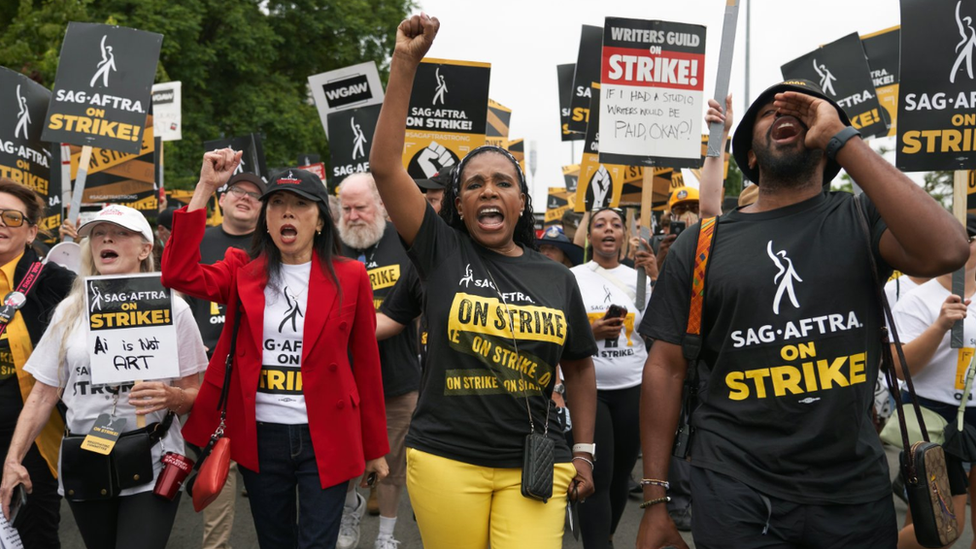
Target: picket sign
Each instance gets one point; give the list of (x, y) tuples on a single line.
[(959, 189), (715, 129)]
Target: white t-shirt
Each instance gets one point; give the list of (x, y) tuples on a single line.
[(619, 363), (944, 377), (280, 398), (86, 402), (899, 288)]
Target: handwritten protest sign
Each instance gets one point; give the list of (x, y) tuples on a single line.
[(131, 332), (102, 91), (652, 93)]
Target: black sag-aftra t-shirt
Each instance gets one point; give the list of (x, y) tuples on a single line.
[(472, 406), (209, 315), (385, 262), (791, 349)]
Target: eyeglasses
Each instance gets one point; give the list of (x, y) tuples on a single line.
[(241, 193), (12, 218), (679, 209)]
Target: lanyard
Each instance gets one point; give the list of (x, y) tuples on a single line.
[(16, 299)]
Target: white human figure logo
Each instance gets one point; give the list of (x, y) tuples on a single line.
[(468, 276), (106, 65), (441, 87), (826, 78), (23, 115), (239, 168), (359, 139), (601, 185), (967, 45), (96, 299), (785, 277)]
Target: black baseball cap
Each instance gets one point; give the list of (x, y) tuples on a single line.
[(438, 182), (247, 177), (300, 182), (742, 140)]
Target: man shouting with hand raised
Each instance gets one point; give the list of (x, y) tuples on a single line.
[(783, 450)]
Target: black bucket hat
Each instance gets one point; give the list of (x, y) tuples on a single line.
[(742, 140), (300, 182)]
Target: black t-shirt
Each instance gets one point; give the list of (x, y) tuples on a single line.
[(385, 261), (791, 350), (405, 303), (11, 401), (472, 406), (210, 315)]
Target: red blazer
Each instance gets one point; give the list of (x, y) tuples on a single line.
[(340, 360)]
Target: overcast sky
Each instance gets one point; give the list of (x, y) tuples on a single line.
[(524, 40)]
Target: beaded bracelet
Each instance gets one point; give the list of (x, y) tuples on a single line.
[(655, 482), (650, 502), (581, 458)]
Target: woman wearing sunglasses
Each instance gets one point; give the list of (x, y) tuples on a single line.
[(20, 210)]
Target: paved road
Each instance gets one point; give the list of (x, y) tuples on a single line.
[(188, 529)]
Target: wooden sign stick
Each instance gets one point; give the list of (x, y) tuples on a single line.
[(647, 191), (959, 183), (78, 189)]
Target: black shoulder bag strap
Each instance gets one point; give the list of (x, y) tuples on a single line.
[(887, 360), (691, 345), (224, 391)]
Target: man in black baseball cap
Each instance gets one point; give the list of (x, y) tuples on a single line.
[(433, 188), (784, 451)]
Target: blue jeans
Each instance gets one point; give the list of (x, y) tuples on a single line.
[(287, 463)]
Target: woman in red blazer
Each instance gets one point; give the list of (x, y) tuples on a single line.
[(305, 410)]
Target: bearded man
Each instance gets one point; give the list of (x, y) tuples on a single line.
[(366, 235), (784, 452)]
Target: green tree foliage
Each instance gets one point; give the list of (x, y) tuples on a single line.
[(244, 64)]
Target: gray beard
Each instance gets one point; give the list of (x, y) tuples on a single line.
[(361, 237)]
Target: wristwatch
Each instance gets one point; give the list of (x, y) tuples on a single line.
[(839, 140), (587, 448)]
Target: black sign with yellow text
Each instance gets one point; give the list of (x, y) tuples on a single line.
[(841, 70), (499, 118), (448, 114), (115, 177), (937, 92), (884, 59), (24, 157), (587, 72), (564, 77), (103, 89)]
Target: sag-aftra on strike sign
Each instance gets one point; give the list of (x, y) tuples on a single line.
[(103, 88)]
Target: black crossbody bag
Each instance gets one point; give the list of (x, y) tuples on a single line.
[(922, 462)]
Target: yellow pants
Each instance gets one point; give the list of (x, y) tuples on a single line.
[(463, 506)]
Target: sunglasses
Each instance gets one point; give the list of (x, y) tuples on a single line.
[(241, 193), (12, 218)]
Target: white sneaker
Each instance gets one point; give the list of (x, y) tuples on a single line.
[(349, 524), (386, 542)]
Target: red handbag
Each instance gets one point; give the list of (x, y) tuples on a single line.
[(214, 463), (212, 475)]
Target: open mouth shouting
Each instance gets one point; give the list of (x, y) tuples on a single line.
[(289, 234), (786, 130), (491, 218)]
